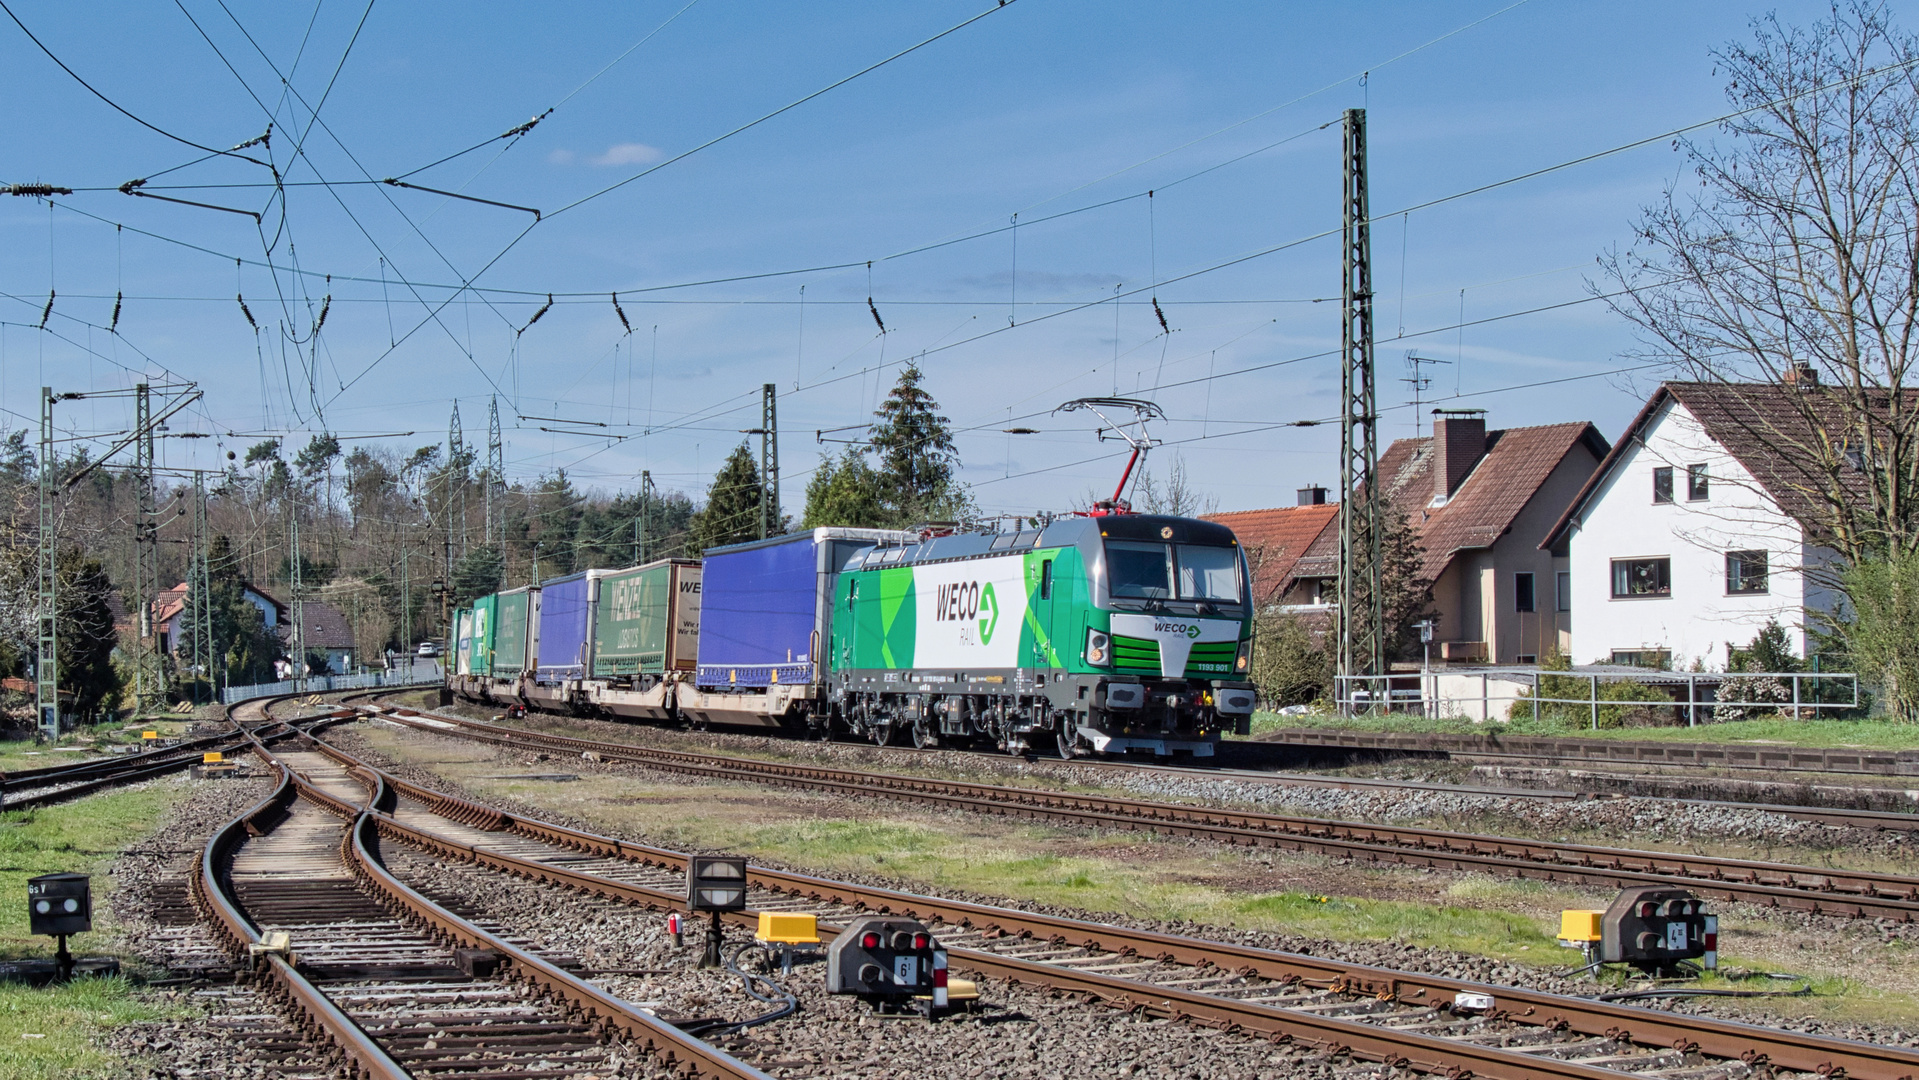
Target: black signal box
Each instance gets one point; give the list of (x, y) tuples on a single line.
[(1653, 927), (716, 883), (881, 956), (59, 904)]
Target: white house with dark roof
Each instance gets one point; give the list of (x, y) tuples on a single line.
[(1684, 543)]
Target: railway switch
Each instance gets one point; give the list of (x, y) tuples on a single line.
[(887, 959)]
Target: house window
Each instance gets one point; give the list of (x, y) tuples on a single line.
[(1745, 572), (1657, 659), (1563, 587), (1526, 658), (1662, 484), (1697, 484), (1641, 577), (1523, 592)]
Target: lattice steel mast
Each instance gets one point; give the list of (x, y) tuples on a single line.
[(148, 683), (495, 466), (200, 588), (769, 463), (46, 665), (1362, 646)]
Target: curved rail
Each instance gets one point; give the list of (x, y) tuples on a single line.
[(317, 1015), (362, 857), (1806, 888), (1622, 1023)]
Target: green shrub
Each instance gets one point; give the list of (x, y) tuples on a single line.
[(1639, 705)]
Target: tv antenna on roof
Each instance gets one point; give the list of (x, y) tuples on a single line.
[(1419, 381), (1132, 432)]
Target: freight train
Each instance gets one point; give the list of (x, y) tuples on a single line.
[(1116, 634)]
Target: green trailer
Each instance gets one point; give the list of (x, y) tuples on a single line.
[(646, 619), (480, 651), (516, 608)]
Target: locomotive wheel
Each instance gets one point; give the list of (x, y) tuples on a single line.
[(1068, 745), (881, 734), (925, 738)]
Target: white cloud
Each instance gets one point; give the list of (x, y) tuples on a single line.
[(630, 153), (561, 157)]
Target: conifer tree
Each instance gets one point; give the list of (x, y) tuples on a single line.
[(732, 513), (917, 462)]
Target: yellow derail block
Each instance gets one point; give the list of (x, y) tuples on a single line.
[(149, 734), (779, 928), (212, 757), (1579, 925)]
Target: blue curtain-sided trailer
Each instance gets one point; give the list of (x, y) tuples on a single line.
[(559, 663), (766, 609)]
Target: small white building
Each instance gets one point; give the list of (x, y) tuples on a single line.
[(1681, 544)]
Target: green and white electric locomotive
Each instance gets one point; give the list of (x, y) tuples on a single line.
[(1108, 634)]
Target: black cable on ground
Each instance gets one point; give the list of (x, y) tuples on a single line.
[(787, 1004)]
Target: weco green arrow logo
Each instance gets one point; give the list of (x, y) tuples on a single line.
[(989, 613), (1192, 630)]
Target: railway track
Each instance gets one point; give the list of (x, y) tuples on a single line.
[(1431, 1024), (28, 789), (398, 983), (1812, 889)]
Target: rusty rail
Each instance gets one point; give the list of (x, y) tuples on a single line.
[(361, 852), (1630, 1024), (318, 1016), (1804, 888)]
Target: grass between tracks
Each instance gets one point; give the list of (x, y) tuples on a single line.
[(1876, 734), (45, 1032), (1856, 976)]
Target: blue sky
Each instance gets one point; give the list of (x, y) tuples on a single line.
[(1040, 107)]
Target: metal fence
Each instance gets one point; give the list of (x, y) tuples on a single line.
[(320, 684), (1497, 693)]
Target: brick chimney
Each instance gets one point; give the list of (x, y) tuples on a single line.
[(1459, 441)]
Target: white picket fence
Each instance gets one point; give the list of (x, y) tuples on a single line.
[(320, 684)]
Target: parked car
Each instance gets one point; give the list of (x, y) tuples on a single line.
[(428, 648)]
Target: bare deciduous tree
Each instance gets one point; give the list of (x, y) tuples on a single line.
[(1795, 260)]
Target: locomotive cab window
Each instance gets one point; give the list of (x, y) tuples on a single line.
[(1046, 579), (1208, 573), (1140, 570)]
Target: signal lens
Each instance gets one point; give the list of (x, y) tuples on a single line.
[(870, 941), (1646, 909), (919, 941)]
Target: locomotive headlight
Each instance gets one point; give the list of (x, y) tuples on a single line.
[(1099, 647), (1244, 660)]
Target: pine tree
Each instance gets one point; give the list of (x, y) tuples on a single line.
[(241, 640), (917, 460), (845, 493), (732, 513)]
